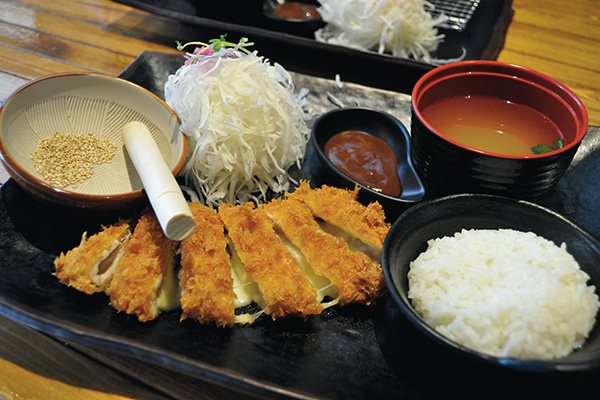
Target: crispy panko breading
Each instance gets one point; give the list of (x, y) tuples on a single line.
[(354, 275), (340, 208), (291, 256), (139, 285), (205, 275), (90, 266), (268, 263)]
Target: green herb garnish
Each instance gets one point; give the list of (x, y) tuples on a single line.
[(217, 44), (546, 148)]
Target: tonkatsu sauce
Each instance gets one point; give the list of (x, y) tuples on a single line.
[(295, 10), (367, 159)]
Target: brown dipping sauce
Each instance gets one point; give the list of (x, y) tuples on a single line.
[(295, 10), (367, 159)]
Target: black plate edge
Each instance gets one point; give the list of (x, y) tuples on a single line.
[(51, 326)]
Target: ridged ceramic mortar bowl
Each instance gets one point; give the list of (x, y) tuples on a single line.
[(409, 235), (468, 96), (82, 103)]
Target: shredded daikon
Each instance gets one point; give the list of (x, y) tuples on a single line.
[(246, 127), (403, 28), (338, 81)]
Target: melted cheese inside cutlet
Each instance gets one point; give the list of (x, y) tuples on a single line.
[(169, 293), (346, 217), (266, 261), (143, 280), (246, 292), (355, 275), (354, 243), (322, 285)]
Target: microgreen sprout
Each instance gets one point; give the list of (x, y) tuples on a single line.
[(216, 44)]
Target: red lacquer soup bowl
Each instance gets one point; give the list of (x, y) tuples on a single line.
[(493, 128)]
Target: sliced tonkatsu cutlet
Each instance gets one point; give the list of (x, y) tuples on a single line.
[(363, 227), (267, 262), (205, 276), (144, 282), (90, 266), (353, 274)]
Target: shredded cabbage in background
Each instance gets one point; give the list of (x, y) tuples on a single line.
[(246, 127), (403, 28)]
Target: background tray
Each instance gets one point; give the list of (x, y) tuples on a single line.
[(482, 38), (349, 352), (203, 20)]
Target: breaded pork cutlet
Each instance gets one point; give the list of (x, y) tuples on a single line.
[(353, 274), (144, 282), (267, 262), (340, 210), (90, 266), (205, 275)]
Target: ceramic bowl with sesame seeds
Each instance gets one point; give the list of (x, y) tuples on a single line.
[(61, 139)]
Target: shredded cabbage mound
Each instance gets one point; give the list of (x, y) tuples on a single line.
[(246, 127), (403, 28)]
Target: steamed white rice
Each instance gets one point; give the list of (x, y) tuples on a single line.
[(504, 292)]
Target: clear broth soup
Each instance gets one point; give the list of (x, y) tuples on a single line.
[(491, 124)]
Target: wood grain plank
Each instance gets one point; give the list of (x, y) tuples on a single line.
[(554, 13), (173, 384), (75, 54), (542, 42), (59, 372), (82, 31), (559, 39), (139, 24), (96, 11), (32, 64), (585, 84), (8, 83)]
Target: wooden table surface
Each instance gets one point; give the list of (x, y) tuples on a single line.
[(39, 37)]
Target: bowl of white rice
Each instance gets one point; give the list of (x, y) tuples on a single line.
[(499, 280)]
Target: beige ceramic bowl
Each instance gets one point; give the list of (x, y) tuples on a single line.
[(84, 103)]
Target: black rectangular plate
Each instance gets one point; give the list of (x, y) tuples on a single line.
[(347, 352)]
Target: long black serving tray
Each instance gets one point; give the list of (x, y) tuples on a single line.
[(347, 352), (203, 20)]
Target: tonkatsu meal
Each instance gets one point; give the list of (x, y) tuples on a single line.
[(266, 246)]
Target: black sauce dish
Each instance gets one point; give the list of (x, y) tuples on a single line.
[(296, 26), (444, 216), (383, 126)]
